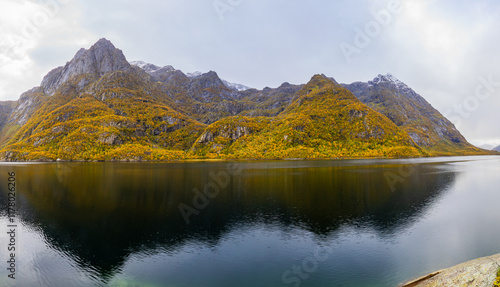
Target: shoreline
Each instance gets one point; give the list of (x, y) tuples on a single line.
[(242, 160), (479, 272), (46, 160)]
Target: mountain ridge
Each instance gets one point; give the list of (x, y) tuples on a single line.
[(103, 57), (98, 106), (153, 69)]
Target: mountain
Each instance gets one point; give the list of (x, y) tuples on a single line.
[(497, 148), (93, 63), (324, 120), (486, 147), (232, 86), (100, 107), (115, 112), (412, 113)]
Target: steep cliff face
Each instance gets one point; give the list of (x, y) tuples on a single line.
[(411, 112), (6, 109), (100, 59), (20, 113)]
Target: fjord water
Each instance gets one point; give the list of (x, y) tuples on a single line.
[(272, 223)]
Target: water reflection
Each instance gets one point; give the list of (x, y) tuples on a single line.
[(100, 214)]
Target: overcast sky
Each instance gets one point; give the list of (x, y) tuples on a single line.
[(447, 51)]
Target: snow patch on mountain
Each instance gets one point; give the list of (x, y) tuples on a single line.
[(237, 87), (194, 74), (387, 78), (151, 68)]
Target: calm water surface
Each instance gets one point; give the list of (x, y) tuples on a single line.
[(273, 223)]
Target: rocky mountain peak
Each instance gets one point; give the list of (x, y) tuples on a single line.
[(103, 57), (319, 81), (284, 85), (393, 84), (208, 80), (388, 78)]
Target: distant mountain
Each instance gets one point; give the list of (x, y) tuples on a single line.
[(411, 112), (98, 106), (497, 148), (486, 147)]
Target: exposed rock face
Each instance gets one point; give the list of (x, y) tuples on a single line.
[(100, 59), (226, 131), (6, 109), (25, 106), (110, 139), (480, 273), (206, 137), (207, 98), (407, 110), (269, 102), (209, 87)]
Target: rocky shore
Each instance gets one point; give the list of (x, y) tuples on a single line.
[(479, 272)]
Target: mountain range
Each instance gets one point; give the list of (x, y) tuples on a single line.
[(100, 107)]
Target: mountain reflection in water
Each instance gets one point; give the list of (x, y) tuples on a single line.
[(102, 214)]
